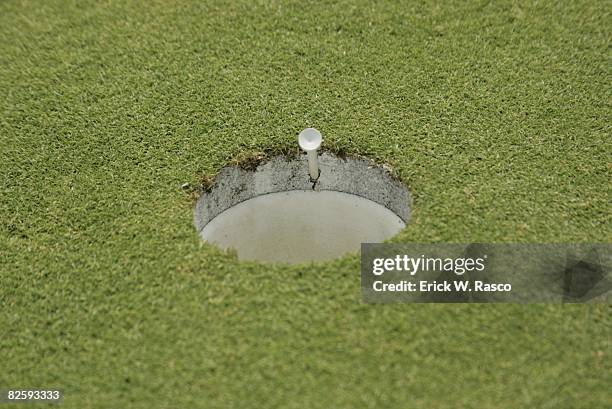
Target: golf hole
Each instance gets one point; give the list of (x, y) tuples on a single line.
[(275, 212)]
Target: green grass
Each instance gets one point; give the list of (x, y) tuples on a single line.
[(496, 115)]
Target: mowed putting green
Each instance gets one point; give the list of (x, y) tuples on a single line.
[(496, 115)]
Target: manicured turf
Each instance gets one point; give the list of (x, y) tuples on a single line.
[(496, 115)]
